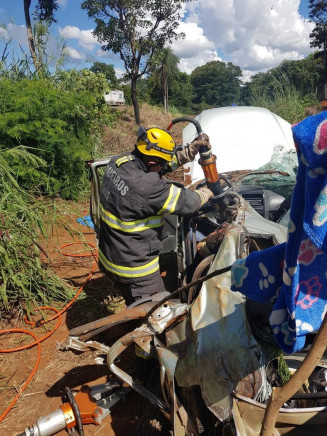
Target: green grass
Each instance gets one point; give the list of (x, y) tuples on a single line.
[(285, 100), (24, 280)]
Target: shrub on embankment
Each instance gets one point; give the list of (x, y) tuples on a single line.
[(24, 280), (48, 128), (60, 119)]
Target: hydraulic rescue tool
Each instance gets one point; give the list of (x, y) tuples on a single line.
[(89, 406), (207, 158), (213, 179)]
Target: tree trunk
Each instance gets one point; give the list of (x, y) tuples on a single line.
[(281, 395), (164, 80), (135, 101), (27, 4)]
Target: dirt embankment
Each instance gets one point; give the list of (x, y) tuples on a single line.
[(121, 137)]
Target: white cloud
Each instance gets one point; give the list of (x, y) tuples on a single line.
[(194, 42), (17, 33), (195, 49), (119, 73), (62, 3), (187, 65), (84, 37), (74, 54), (3, 33), (254, 34)]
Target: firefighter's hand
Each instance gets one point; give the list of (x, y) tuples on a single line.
[(205, 194), (188, 153), (201, 141)]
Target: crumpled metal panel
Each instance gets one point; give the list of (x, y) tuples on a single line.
[(166, 315), (182, 341), (248, 416), (73, 343), (257, 225), (227, 356), (144, 332), (181, 422)]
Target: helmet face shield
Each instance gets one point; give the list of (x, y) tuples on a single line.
[(154, 141)]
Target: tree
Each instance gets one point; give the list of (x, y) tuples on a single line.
[(136, 30), (318, 15), (216, 84), (166, 82), (182, 92), (304, 75), (44, 11), (164, 68), (107, 70)]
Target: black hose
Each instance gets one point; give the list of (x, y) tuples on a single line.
[(188, 286), (76, 411), (189, 120), (198, 127)]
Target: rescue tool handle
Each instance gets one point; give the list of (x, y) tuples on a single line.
[(219, 193)]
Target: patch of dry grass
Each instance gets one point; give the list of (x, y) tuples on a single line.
[(121, 137)]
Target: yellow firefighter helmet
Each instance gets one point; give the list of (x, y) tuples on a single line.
[(153, 141)]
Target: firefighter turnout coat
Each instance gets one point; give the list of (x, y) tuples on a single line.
[(133, 204)]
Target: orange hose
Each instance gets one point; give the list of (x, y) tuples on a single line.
[(13, 402), (34, 324), (11, 350), (66, 253), (80, 289)]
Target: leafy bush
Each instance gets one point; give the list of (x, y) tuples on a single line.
[(61, 120), (23, 279)]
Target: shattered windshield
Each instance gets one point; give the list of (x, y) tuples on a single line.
[(278, 175)]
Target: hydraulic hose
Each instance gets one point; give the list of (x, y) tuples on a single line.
[(196, 123), (207, 159)]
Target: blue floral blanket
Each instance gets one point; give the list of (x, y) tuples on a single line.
[(294, 275)]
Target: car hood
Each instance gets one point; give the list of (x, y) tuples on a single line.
[(242, 137)]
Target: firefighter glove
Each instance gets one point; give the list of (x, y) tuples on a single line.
[(205, 194), (188, 153), (201, 141)]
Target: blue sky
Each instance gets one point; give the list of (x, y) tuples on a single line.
[(303, 9), (256, 35)]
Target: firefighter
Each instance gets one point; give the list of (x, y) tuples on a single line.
[(134, 199)]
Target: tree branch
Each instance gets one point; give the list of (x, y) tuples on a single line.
[(27, 4), (281, 395)]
